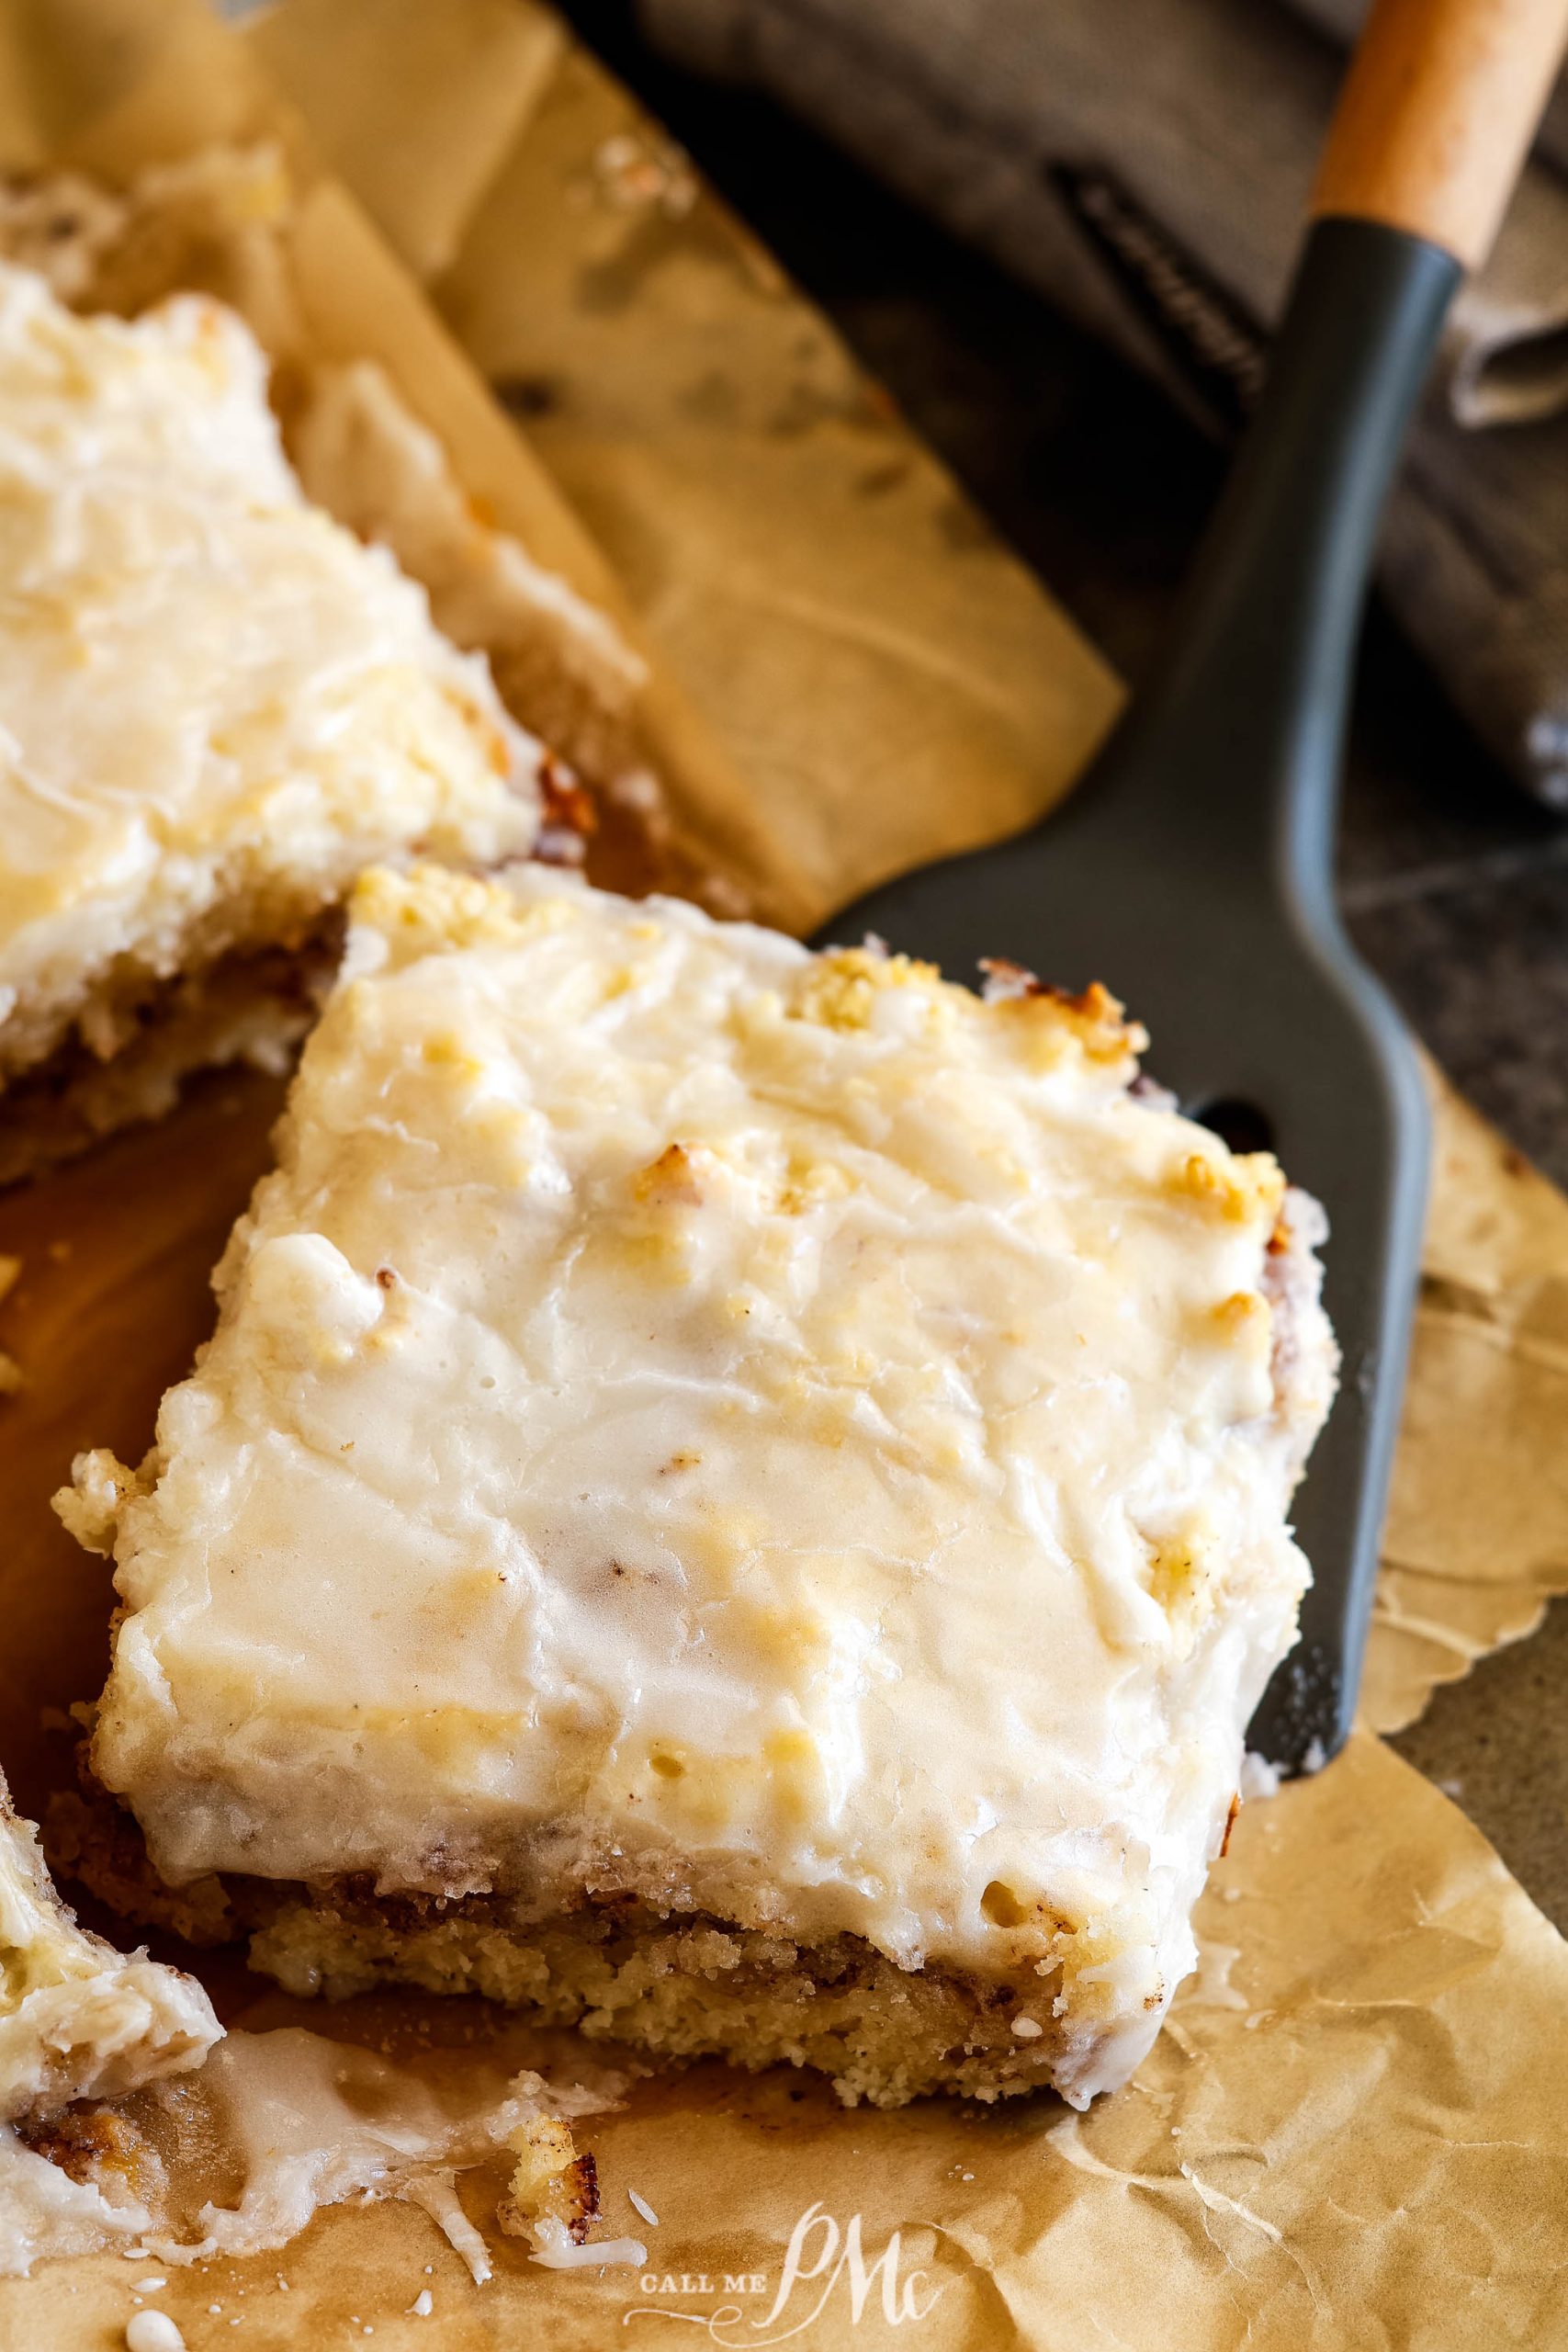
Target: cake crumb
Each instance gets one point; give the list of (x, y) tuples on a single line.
[(551, 2183)]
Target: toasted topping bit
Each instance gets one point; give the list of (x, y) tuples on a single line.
[(434, 911), (1242, 1186), (673, 1180), (1185, 1579), (569, 809), (1095, 1018), (553, 2188), (812, 1181), (840, 989), (1006, 982)]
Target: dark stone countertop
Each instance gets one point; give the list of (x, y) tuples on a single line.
[(1456, 887)]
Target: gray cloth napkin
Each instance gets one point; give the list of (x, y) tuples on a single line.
[(1146, 164)]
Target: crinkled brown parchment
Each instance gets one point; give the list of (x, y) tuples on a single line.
[(1355, 2129)]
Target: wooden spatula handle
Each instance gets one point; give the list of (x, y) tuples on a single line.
[(1439, 107)]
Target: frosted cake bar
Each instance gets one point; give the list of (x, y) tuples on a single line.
[(216, 707), (735, 1496)]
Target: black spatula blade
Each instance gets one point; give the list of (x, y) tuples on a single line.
[(1191, 872)]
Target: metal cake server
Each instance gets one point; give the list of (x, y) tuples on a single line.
[(1193, 867)]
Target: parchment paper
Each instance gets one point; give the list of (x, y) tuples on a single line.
[(1355, 2129), (1477, 1535), (881, 670)]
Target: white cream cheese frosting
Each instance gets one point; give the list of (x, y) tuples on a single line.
[(216, 704), (78, 2019), (775, 1433)]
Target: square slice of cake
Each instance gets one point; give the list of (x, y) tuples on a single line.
[(737, 1496), (216, 708)]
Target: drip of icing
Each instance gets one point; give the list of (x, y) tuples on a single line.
[(557, 2249), (302, 2123), (436, 2192), (44, 2212), (1210, 1985), (313, 2121)]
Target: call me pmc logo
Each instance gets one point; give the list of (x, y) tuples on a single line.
[(821, 2262)]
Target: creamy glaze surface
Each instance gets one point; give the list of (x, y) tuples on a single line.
[(774, 1433)]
